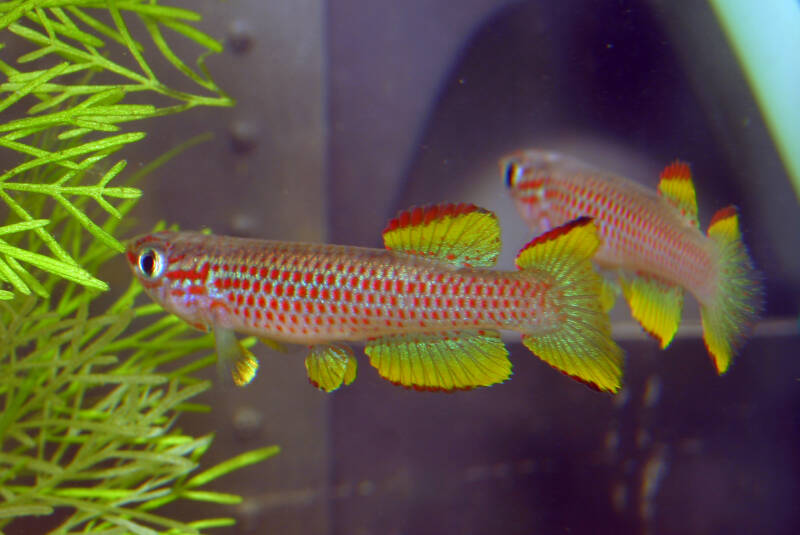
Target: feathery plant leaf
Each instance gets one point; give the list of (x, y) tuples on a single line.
[(87, 410), (87, 426), (85, 431), (64, 126)]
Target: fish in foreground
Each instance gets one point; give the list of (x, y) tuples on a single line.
[(427, 306), (652, 239)]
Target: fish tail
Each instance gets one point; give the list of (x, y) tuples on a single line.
[(580, 345), (738, 297)]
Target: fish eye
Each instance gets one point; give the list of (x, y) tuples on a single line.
[(511, 175), (151, 263)]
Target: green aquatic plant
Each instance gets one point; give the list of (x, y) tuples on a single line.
[(90, 437), (91, 392), (69, 93)]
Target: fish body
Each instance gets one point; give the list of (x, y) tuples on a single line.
[(428, 306), (651, 239), (306, 293)]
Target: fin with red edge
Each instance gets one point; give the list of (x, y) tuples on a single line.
[(676, 187), (581, 345), (459, 234)]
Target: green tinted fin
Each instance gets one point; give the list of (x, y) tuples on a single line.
[(460, 234), (331, 365), (579, 343), (739, 297), (231, 352), (655, 303), (454, 360)]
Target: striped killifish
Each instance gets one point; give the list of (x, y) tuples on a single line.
[(427, 306), (652, 240)]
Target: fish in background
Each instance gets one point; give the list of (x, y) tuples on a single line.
[(427, 306), (651, 239)]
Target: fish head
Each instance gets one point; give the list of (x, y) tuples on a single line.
[(167, 268), (529, 175)]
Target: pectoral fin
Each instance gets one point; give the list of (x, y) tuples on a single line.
[(608, 294), (441, 361), (655, 303), (273, 344), (231, 352), (331, 365)]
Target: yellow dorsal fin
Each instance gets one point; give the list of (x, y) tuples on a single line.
[(656, 305), (460, 234), (331, 365), (676, 186), (455, 360)]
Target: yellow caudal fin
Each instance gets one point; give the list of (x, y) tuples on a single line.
[(329, 366), (460, 234), (656, 305), (456, 360), (676, 186), (739, 297), (581, 344)]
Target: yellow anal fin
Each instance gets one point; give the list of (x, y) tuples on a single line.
[(676, 186), (655, 304), (331, 365), (454, 360), (231, 352), (460, 234)]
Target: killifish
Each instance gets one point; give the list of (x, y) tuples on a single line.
[(427, 306), (652, 240)]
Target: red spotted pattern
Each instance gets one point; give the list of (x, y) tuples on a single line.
[(311, 293), (639, 230)]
